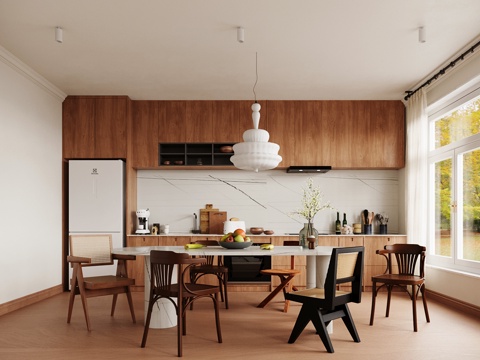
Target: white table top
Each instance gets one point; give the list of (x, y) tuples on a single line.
[(218, 250)]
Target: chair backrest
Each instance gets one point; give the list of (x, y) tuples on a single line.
[(406, 256), (162, 266), (97, 247), (210, 259), (291, 243), (346, 267)]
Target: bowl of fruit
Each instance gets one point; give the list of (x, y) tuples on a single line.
[(235, 240)]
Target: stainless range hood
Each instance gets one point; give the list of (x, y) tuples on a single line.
[(309, 169)]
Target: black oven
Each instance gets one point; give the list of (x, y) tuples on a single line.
[(247, 268)]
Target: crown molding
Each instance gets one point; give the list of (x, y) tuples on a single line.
[(15, 63)]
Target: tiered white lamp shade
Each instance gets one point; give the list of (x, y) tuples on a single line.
[(256, 153)]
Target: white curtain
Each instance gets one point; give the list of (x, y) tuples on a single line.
[(416, 169)]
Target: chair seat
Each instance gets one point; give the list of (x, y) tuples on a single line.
[(209, 269), (280, 272), (193, 290), (107, 282), (299, 296), (397, 279)]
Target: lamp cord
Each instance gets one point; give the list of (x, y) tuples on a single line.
[(256, 77)]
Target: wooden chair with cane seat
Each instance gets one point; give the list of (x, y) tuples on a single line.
[(286, 279), (321, 306), (406, 257), (163, 264), (96, 250), (210, 268)]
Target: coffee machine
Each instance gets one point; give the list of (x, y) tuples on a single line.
[(142, 221)]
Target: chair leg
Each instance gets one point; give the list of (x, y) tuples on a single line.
[(414, 307), (302, 321), (348, 321), (114, 304), (374, 297), (130, 305), (283, 282), (287, 289), (321, 328), (217, 318), (225, 285), (389, 298), (147, 321), (424, 299)]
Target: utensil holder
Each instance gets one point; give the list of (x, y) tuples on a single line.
[(383, 228), (367, 229)]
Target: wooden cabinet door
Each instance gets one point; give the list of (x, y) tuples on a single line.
[(308, 133), (136, 269), (328, 241), (281, 126), (376, 264), (144, 134), (230, 119), (388, 127), (111, 115), (79, 127), (172, 122), (199, 124)]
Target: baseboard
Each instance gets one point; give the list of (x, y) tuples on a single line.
[(456, 304), (27, 300)]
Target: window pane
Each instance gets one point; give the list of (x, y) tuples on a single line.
[(469, 248), (443, 192), (460, 124)]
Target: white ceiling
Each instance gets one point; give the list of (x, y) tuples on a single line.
[(188, 49)]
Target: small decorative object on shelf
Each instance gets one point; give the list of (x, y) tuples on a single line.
[(383, 219), (312, 204)]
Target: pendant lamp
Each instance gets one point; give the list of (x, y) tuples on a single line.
[(256, 153)]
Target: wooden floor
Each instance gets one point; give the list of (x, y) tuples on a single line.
[(40, 331)]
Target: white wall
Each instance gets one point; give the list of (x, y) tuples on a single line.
[(266, 198), (30, 182)]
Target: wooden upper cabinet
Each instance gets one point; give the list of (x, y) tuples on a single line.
[(281, 126), (230, 120), (111, 127), (78, 127), (95, 127), (199, 122), (144, 134), (172, 122), (388, 125), (308, 131)]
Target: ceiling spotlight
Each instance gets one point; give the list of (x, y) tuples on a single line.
[(240, 34), (59, 34), (422, 37)]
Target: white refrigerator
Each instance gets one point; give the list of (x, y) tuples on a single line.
[(96, 203)]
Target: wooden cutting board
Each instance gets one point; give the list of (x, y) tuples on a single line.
[(215, 221)]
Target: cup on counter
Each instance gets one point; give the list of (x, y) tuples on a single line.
[(165, 229)]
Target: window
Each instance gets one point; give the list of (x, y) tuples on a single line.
[(454, 187)]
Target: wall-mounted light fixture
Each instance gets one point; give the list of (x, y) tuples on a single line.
[(422, 36), (240, 34), (59, 34)]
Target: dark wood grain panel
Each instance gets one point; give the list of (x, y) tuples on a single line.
[(281, 126), (78, 127), (172, 121), (111, 127), (144, 134), (199, 122)]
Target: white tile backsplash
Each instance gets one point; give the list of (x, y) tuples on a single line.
[(266, 198)]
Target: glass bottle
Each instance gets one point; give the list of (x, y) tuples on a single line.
[(344, 223), (338, 224), (307, 230)]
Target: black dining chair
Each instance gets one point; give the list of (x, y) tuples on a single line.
[(321, 306)]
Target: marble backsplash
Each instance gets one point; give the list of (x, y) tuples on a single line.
[(266, 199)]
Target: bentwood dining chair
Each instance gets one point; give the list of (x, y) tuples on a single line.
[(406, 257), (210, 267), (286, 279), (321, 306), (163, 265), (96, 250)]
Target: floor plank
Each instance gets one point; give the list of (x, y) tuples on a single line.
[(40, 331)]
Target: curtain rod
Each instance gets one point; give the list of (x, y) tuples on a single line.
[(442, 71)]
